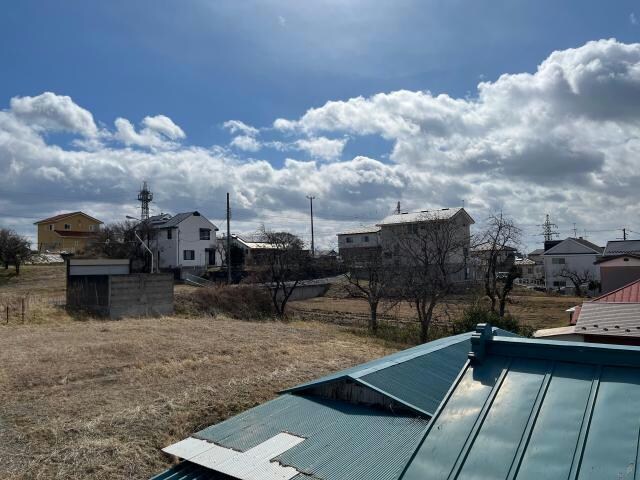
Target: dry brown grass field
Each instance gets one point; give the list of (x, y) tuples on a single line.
[(98, 399), (92, 399)]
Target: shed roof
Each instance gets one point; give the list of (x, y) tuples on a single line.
[(424, 215), (619, 247), (342, 441), (531, 409), (418, 377)]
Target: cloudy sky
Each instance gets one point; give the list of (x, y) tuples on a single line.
[(525, 107)]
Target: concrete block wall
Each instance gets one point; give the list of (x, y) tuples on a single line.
[(140, 294)]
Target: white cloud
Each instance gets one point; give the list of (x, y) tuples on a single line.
[(236, 126), (563, 139), (633, 19), (164, 125), (51, 112), (322, 147), (159, 132), (246, 143)]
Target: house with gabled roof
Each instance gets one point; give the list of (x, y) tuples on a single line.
[(185, 242), (361, 423), (570, 255), (68, 232)]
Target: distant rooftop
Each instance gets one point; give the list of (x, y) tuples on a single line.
[(362, 229), (422, 216), (620, 247)]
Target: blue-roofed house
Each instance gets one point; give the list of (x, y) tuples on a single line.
[(361, 423), (533, 409)]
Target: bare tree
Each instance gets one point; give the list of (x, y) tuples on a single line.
[(14, 249), (431, 257), (578, 278), (369, 277), (282, 267), (495, 256), (118, 240)]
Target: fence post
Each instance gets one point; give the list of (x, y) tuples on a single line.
[(22, 309)]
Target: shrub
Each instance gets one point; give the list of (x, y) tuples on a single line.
[(244, 302), (478, 313)]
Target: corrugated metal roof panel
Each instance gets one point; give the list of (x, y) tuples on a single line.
[(189, 471), (342, 441), (617, 319), (530, 409), (418, 377), (628, 293)]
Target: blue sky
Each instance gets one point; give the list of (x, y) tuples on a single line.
[(202, 64)]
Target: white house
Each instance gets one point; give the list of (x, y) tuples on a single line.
[(186, 241), (572, 255), (358, 241)]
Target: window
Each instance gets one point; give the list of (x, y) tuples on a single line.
[(51, 227), (560, 283), (67, 226), (169, 234), (205, 234), (92, 228), (365, 239), (349, 240), (189, 254), (557, 261)]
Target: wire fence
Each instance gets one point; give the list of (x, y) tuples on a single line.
[(23, 308)]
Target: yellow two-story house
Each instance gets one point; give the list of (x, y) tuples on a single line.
[(68, 232)]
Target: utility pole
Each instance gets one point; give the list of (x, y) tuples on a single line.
[(624, 233), (228, 249), (313, 248)]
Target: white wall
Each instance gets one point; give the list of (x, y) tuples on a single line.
[(186, 237), (578, 262), (358, 240)]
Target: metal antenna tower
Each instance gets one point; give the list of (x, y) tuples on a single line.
[(548, 229), (397, 211), (144, 197)]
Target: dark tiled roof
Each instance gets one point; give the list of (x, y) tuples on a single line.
[(619, 247), (589, 244)]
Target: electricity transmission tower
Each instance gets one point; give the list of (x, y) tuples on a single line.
[(144, 197), (548, 229)]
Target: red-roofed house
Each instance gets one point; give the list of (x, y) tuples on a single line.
[(66, 232)]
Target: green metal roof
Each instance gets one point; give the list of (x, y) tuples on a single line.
[(342, 441), (189, 471), (418, 377), (531, 409)]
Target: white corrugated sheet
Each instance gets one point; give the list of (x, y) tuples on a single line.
[(254, 464)]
